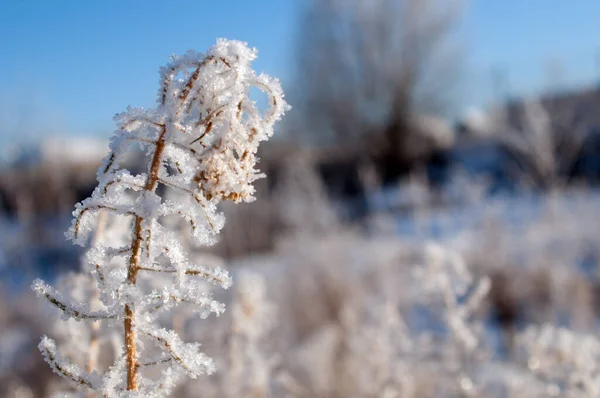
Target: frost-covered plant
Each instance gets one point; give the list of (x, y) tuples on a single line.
[(379, 355), (84, 342), (567, 362), (250, 367), (201, 140), (446, 276), (447, 283), (394, 346), (89, 343)]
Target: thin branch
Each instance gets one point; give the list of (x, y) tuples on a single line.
[(217, 277), (129, 122), (63, 367), (175, 356), (123, 183), (93, 208), (172, 343), (194, 195), (156, 362), (77, 379), (72, 310), (141, 140)]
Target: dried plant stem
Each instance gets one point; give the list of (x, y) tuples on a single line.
[(220, 167), (134, 266)]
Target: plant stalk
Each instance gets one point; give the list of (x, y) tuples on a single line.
[(134, 265)]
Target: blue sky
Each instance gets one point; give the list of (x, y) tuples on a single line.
[(67, 66), (535, 44)]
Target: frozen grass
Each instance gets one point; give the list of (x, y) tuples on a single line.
[(349, 307)]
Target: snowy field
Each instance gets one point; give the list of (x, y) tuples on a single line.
[(376, 310)]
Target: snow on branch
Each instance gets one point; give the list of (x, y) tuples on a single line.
[(69, 309), (66, 369), (216, 276), (187, 355)]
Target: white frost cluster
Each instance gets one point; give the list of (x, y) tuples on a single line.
[(201, 141), (568, 363), (446, 277), (253, 316), (456, 295), (387, 349)]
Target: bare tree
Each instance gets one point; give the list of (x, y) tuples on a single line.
[(368, 70), (544, 138)]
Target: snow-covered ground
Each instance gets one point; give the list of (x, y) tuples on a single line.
[(351, 306)]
